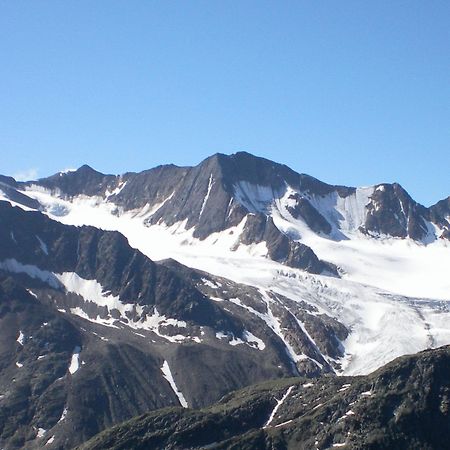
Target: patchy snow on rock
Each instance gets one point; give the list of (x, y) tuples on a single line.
[(205, 200), (117, 190), (344, 387), (247, 338), (21, 338), (393, 294), (256, 198), (253, 340), (366, 394), (32, 293), (41, 432), (210, 284), (50, 441), (14, 266), (43, 245), (277, 406), (63, 415), (74, 362), (131, 315), (231, 339), (167, 374)]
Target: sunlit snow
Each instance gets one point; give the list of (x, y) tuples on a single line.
[(393, 295), (167, 374)]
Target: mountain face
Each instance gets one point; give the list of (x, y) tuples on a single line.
[(171, 287), (91, 330), (224, 191), (218, 193), (403, 405)]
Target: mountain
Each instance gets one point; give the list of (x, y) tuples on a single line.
[(219, 192), (123, 294), (92, 332), (402, 405)]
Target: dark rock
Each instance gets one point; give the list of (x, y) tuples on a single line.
[(403, 405), (303, 209)]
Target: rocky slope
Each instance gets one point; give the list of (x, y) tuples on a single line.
[(402, 405), (91, 332), (174, 286), (224, 191)]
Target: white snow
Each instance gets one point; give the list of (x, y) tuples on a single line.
[(344, 387), (21, 338), (347, 213), (64, 414), (366, 394), (247, 338), (232, 340), (92, 291), (277, 406), (41, 432), (11, 265), (43, 245), (255, 198), (19, 365), (74, 362), (167, 374), (32, 293), (210, 284), (253, 340), (116, 191), (50, 441), (283, 424), (394, 294), (68, 170), (205, 200)]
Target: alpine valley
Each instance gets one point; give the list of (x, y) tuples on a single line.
[(234, 304)]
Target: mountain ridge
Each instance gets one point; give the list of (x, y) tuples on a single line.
[(402, 405), (196, 281)]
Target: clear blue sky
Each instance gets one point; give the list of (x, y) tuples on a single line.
[(352, 92)]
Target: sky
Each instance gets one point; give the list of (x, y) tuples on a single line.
[(351, 92)]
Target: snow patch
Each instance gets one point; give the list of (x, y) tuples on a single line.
[(205, 200), (43, 245), (64, 414), (74, 362), (167, 374), (12, 265), (21, 338), (277, 406), (210, 284)]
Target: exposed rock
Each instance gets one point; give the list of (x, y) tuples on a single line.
[(403, 405)]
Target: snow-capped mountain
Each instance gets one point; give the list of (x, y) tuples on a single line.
[(228, 273)]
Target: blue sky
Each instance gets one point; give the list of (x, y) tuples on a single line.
[(352, 92)]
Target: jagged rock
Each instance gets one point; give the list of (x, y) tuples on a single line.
[(403, 405)]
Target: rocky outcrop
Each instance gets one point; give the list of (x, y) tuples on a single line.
[(393, 212), (261, 228), (403, 405), (69, 360), (440, 215)]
